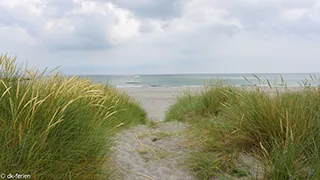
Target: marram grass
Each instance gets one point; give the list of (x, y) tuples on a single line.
[(53, 127), (281, 132)]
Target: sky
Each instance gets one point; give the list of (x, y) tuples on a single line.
[(163, 36)]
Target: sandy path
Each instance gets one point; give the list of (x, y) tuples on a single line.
[(156, 152)]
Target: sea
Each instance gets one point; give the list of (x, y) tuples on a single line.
[(198, 80)]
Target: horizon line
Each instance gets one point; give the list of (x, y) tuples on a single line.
[(155, 74)]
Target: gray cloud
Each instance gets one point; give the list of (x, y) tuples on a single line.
[(59, 8), (89, 30), (159, 9), (6, 18), (146, 27), (9, 18), (267, 16), (89, 33)]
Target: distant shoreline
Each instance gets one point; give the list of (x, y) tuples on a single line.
[(199, 80), (203, 86), (179, 74)]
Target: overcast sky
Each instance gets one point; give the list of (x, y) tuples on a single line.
[(163, 36)]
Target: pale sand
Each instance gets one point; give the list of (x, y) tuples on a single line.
[(156, 101), (157, 153)]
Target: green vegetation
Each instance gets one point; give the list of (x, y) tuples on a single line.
[(53, 127), (248, 133)]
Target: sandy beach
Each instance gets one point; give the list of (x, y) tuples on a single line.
[(156, 101)]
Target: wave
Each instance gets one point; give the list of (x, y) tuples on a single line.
[(155, 86), (129, 86), (132, 82)]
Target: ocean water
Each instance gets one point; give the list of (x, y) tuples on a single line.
[(197, 80)]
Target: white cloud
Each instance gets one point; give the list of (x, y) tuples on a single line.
[(164, 36)]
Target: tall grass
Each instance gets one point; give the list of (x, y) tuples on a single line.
[(281, 131), (204, 103), (284, 128), (53, 127)]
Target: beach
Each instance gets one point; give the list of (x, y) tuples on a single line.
[(156, 100)]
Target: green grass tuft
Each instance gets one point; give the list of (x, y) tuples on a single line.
[(53, 127), (279, 130)]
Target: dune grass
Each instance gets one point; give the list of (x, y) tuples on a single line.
[(279, 134), (53, 127)]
